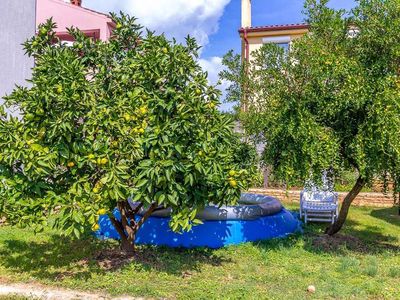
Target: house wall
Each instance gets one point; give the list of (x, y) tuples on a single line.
[(17, 24), (67, 15), (255, 39)]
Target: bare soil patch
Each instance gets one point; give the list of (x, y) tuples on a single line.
[(339, 242), (112, 259)]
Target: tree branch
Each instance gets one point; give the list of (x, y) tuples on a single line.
[(151, 209), (118, 226)]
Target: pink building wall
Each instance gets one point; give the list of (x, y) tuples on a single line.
[(65, 14)]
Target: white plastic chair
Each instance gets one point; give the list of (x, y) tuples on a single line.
[(319, 206)]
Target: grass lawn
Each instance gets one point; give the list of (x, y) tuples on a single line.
[(362, 263)]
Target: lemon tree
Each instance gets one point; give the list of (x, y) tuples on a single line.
[(106, 121), (333, 101)]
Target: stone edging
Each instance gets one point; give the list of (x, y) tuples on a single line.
[(363, 199), (38, 291)]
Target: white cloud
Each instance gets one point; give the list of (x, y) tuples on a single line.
[(213, 66), (176, 18)]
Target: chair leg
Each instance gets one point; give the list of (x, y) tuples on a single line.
[(301, 209)]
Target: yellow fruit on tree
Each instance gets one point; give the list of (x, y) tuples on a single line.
[(143, 110), (233, 183), (232, 173), (95, 227), (102, 211), (91, 156), (118, 26), (165, 50), (71, 164), (104, 161), (127, 117), (96, 190), (141, 130)]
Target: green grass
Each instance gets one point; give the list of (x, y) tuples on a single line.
[(367, 267)]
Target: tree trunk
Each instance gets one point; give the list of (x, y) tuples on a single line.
[(126, 245), (344, 210), (398, 200), (128, 227), (266, 173)]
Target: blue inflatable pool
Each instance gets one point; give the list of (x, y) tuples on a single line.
[(257, 218)]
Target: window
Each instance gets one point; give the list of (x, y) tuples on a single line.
[(281, 41), (284, 46)]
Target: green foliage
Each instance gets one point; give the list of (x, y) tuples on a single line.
[(334, 100), (104, 121), (245, 156), (234, 73)]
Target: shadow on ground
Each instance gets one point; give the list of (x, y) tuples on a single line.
[(54, 259), (389, 215), (62, 257), (368, 240)]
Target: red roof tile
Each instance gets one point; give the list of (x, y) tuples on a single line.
[(276, 27)]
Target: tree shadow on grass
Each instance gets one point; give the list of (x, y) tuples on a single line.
[(177, 261), (390, 215), (371, 240), (61, 257), (53, 259), (373, 236)]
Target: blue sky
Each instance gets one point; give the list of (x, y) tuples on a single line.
[(214, 23), (265, 12)]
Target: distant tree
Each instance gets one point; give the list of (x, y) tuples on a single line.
[(105, 121), (234, 73), (333, 101)]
